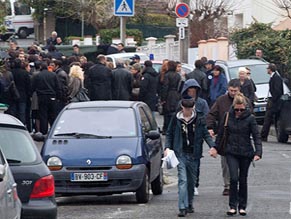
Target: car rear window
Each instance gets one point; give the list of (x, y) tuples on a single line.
[(98, 121), (17, 146), (258, 73)]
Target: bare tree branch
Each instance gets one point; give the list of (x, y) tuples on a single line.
[(284, 5)]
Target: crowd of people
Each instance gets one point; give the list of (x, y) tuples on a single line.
[(38, 85)]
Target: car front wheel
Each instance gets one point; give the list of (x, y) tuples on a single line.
[(143, 193)]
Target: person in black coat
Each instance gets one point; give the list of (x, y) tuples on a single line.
[(239, 151), (170, 95), (246, 86), (122, 82), (100, 80), (149, 85), (274, 102), (23, 85), (47, 88)]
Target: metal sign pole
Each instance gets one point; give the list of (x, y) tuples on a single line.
[(123, 9), (122, 29)]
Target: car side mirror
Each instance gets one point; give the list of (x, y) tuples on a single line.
[(2, 172), (153, 135)]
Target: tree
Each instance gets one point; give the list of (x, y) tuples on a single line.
[(285, 5), (95, 12), (2, 15), (207, 18), (276, 45)]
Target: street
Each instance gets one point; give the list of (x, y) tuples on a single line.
[(269, 192), (24, 43)]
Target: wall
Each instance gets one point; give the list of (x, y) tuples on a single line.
[(250, 11)]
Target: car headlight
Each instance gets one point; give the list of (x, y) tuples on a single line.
[(54, 163), (123, 162)]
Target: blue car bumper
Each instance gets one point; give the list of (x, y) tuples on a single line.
[(118, 181)]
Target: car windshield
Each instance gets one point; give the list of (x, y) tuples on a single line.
[(17, 146), (258, 73), (102, 122)]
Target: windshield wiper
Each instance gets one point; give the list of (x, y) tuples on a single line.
[(83, 135), (13, 161)]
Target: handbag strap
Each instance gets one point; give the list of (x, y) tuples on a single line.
[(226, 119)]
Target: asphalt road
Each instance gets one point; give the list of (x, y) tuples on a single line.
[(24, 43), (269, 193)]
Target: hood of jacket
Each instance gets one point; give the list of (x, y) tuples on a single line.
[(191, 83)]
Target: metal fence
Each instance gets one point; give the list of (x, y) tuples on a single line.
[(163, 50)]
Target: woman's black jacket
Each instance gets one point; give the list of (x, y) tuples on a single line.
[(240, 131)]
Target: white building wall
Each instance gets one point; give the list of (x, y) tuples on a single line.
[(244, 13)]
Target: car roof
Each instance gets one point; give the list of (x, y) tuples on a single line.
[(89, 104), (241, 62), (126, 54), (8, 120)]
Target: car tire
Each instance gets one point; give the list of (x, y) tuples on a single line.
[(5, 37), (142, 195), (158, 184), (281, 134), (22, 33)]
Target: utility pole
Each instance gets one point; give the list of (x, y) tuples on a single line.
[(186, 40), (82, 17), (182, 11), (122, 29), (123, 9)]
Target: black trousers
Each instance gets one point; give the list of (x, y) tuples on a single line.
[(238, 171), (270, 117), (47, 112)]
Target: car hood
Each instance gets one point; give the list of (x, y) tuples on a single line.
[(262, 90), (76, 152)]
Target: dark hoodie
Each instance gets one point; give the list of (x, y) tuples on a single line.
[(200, 104), (148, 87)]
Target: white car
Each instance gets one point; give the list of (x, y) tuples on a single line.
[(126, 56)]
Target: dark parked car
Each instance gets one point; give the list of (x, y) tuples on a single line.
[(10, 205), (105, 147), (35, 183), (283, 123)]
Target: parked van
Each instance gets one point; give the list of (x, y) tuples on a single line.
[(18, 19)]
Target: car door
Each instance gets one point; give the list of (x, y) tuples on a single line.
[(153, 146), (7, 185)]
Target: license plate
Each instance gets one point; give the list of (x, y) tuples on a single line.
[(89, 177), (260, 109)]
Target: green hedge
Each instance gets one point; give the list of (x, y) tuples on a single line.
[(107, 35)]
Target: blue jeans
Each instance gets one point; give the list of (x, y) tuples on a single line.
[(187, 172)]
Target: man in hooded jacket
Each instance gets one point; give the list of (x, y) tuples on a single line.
[(193, 89)]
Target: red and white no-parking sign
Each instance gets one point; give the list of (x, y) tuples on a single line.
[(182, 10)]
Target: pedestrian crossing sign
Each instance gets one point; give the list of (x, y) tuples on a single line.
[(124, 7)]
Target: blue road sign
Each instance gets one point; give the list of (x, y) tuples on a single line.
[(124, 7), (182, 10)]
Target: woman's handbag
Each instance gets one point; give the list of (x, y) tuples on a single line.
[(223, 141), (81, 96)]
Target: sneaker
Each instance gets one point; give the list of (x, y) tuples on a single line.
[(190, 209), (196, 191), (182, 213), (225, 192)]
